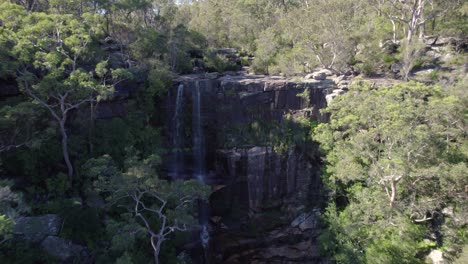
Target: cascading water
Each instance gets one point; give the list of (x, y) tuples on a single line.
[(198, 136), (178, 163), (205, 241), (199, 166)]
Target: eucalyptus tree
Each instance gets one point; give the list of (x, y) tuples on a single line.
[(414, 14), (49, 51), (327, 30), (153, 207), (398, 156)]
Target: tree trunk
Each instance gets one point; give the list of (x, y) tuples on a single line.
[(156, 258), (91, 127), (393, 196), (409, 36), (394, 30), (66, 156), (422, 31), (156, 248)]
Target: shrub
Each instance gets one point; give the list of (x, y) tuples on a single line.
[(218, 63)]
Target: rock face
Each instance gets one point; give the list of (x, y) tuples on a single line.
[(307, 221), (267, 176), (294, 243), (250, 181), (65, 250), (230, 102), (437, 257), (36, 228), (44, 230)]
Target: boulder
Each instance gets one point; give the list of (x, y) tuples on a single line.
[(301, 218), (437, 257), (319, 76), (65, 250), (330, 97), (307, 221), (389, 46), (396, 67), (36, 228), (296, 252), (336, 93), (327, 72), (430, 40)]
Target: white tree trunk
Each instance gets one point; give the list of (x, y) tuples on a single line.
[(66, 155)]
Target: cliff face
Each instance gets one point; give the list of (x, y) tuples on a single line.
[(232, 101), (208, 118)]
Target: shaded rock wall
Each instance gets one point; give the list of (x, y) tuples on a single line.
[(232, 100), (269, 176)]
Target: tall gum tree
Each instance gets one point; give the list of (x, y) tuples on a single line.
[(49, 49), (414, 14), (155, 207), (399, 156)]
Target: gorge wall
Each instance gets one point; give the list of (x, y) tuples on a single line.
[(229, 102), (250, 179)]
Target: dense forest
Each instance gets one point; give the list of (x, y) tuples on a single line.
[(93, 124)]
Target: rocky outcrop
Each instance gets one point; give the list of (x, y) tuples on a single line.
[(229, 102), (65, 250), (437, 257), (241, 98), (37, 228), (268, 176), (250, 181), (319, 75), (306, 221), (294, 243), (44, 230)]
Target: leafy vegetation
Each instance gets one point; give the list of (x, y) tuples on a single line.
[(82, 131), (396, 173)]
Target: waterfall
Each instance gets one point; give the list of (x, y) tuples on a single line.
[(204, 236), (178, 136), (199, 167), (198, 136)]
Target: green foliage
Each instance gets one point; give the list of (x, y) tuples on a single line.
[(82, 225), (282, 136), (11, 206), (367, 69), (124, 259), (267, 48), (394, 159), (58, 185), (73, 53), (411, 57), (218, 63), (115, 135), (20, 125), (6, 227), (20, 252), (149, 44), (159, 79), (12, 203), (150, 203)]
